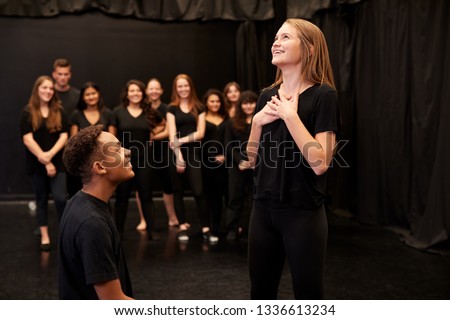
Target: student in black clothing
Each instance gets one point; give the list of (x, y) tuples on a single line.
[(240, 173), (159, 159), (213, 155), (291, 145), (43, 126), (90, 111), (231, 94), (91, 260), (133, 123), (186, 120), (69, 95)]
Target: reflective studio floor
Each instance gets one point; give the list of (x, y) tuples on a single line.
[(363, 262)]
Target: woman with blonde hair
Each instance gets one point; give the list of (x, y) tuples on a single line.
[(43, 126), (291, 145)]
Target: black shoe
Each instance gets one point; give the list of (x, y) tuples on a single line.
[(45, 246), (154, 236)]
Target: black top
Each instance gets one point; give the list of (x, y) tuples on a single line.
[(185, 122), (79, 119), (213, 143), (90, 250), (69, 99), (281, 172), (44, 139), (133, 133), (236, 144), (160, 147)]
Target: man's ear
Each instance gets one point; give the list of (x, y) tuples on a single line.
[(98, 168)]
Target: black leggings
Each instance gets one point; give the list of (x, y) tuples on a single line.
[(278, 231), (193, 174), (142, 180)]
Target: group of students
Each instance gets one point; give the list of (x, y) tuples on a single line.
[(291, 136), (189, 140)]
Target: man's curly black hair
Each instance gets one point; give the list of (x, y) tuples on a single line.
[(81, 151)]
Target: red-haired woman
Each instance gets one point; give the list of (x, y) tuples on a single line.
[(186, 120)]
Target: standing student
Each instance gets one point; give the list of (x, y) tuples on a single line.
[(213, 155), (231, 93), (133, 123), (186, 120), (159, 160), (240, 173), (91, 260), (43, 126), (291, 146), (90, 111)]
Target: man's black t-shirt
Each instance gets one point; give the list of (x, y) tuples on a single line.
[(281, 172), (45, 139), (90, 250), (69, 99)]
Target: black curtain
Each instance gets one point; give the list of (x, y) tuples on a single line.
[(391, 65), (167, 10)]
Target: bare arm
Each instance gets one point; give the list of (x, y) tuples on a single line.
[(180, 164), (74, 130), (160, 132), (112, 130), (110, 290)]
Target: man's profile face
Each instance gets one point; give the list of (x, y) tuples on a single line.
[(116, 159), (62, 76)]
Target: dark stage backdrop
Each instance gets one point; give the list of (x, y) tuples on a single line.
[(106, 50), (391, 62)]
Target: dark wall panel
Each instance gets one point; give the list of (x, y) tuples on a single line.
[(109, 51)]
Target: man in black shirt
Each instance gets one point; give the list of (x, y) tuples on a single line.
[(91, 260), (62, 72)]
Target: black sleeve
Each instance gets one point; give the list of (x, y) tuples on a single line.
[(114, 117), (74, 120), (327, 117), (172, 110), (107, 114), (64, 122), (233, 145), (95, 244)]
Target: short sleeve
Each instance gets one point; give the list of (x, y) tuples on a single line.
[(25, 122), (171, 109), (114, 117), (327, 117), (107, 115), (64, 122), (95, 243)]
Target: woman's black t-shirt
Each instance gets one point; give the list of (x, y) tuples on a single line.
[(79, 119), (133, 133), (45, 139), (185, 122), (281, 172)]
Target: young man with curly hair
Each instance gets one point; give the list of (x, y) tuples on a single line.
[(91, 260)]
